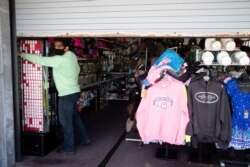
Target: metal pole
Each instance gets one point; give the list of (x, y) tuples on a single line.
[(17, 114), (146, 60)]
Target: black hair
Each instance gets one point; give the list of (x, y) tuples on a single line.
[(66, 42)]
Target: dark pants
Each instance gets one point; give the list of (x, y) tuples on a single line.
[(70, 119), (134, 99)]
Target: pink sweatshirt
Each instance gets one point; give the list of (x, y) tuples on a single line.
[(154, 73), (163, 114)]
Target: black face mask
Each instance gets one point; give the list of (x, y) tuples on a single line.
[(59, 51)]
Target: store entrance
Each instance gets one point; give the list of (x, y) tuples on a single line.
[(112, 71)]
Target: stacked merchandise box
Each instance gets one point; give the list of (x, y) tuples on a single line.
[(32, 83), (37, 138)]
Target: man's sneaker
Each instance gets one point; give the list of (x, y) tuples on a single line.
[(129, 124), (130, 108), (84, 143), (62, 151)]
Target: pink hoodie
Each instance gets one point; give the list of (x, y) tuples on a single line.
[(163, 114)]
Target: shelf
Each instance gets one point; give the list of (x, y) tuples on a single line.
[(101, 82), (86, 73), (223, 49), (217, 64), (116, 73), (103, 48), (108, 80), (122, 90), (91, 60), (82, 59), (90, 85), (105, 40), (121, 99)]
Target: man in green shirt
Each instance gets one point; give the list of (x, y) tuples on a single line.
[(65, 73)]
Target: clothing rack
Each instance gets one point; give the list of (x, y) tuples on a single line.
[(201, 157), (166, 153), (235, 157)]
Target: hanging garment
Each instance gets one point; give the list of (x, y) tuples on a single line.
[(209, 111), (240, 117), (168, 60), (163, 115)]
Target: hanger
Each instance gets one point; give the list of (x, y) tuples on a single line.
[(205, 71), (207, 76), (244, 82), (163, 75), (173, 48), (200, 70), (244, 77)]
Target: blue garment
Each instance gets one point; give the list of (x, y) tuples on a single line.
[(176, 61), (240, 116), (69, 118), (169, 58)]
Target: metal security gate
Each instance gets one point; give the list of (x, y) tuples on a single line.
[(147, 18)]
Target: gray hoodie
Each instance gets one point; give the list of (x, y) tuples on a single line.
[(209, 111)]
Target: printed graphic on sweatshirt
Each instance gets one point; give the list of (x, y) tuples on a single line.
[(206, 97), (162, 102)]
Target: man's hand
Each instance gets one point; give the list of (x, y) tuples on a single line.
[(18, 54)]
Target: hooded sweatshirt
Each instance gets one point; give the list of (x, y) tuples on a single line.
[(163, 115), (209, 111)]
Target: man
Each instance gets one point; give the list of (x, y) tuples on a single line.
[(135, 93), (65, 73)]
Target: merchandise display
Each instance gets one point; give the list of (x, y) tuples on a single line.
[(209, 106), (228, 44), (207, 58), (212, 44), (34, 104), (39, 104), (241, 58), (223, 58), (178, 90)]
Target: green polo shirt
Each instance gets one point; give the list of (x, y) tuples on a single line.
[(65, 70)]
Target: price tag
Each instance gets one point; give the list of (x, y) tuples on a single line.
[(143, 93), (246, 114), (188, 139)]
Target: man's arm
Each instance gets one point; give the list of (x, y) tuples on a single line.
[(54, 61)]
